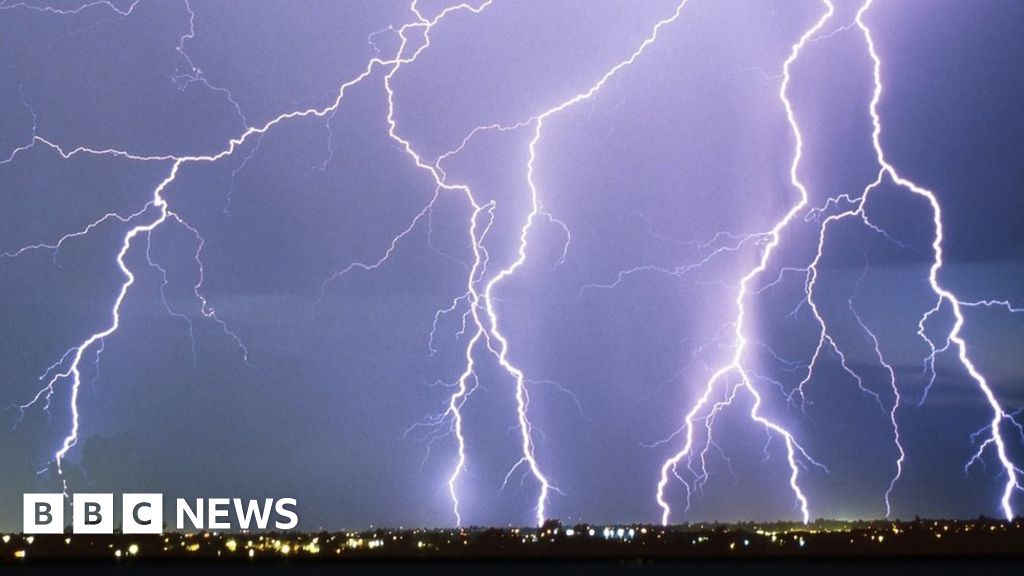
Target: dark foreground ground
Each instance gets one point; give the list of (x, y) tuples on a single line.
[(937, 547), (860, 567)]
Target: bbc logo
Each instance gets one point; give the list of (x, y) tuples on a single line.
[(144, 513), (93, 513)]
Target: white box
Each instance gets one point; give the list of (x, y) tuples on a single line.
[(92, 513), (46, 507), (142, 513)]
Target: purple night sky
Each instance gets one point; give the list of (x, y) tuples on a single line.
[(495, 262)]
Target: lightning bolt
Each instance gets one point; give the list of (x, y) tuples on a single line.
[(481, 309), (482, 332), (848, 207), (104, 4), (143, 222), (73, 370), (477, 302), (538, 122), (736, 367), (479, 296), (943, 296)]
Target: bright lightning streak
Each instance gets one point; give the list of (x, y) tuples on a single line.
[(793, 450), (73, 371), (481, 316), (472, 294), (522, 395), (999, 415), (159, 203), (496, 342), (857, 210)]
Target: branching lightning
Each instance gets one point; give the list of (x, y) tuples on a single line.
[(68, 368), (736, 368), (999, 416), (482, 329), (479, 295), (849, 207)]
